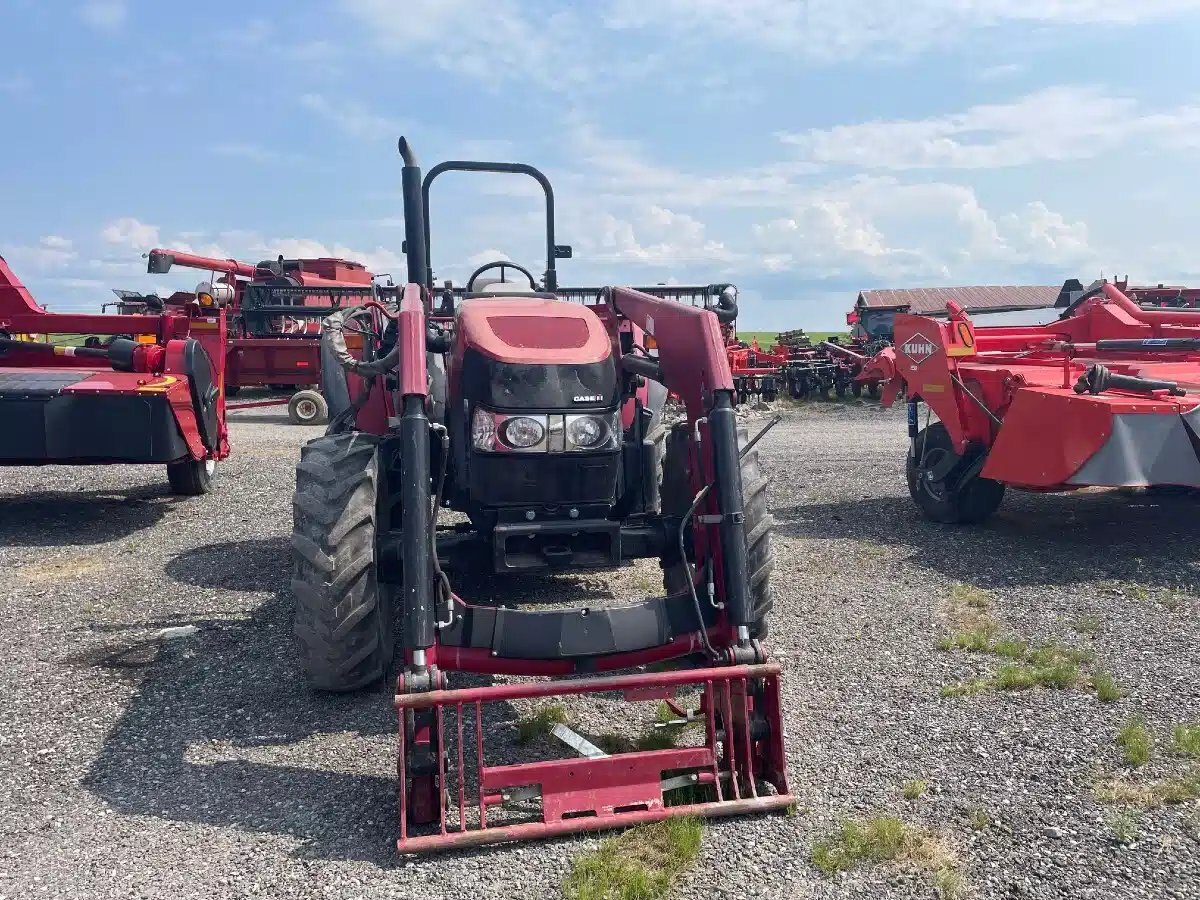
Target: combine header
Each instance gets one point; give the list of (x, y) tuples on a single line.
[(1106, 395), (150, 393), (275, 310), (540, 419)]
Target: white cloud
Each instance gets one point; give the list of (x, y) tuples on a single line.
[(1055, 123), (898, 233), (104, 15), (129, 232), (1000, 71), (651, 235), (352, 117), (486, 256), (50, 252), (836, 31)]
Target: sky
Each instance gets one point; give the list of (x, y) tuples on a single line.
[(801, 149)]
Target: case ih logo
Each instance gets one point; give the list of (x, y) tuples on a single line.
[(918, 348)]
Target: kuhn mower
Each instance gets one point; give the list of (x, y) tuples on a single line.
[(275, 310), (1104, 396), (539, 419), (149, 393)]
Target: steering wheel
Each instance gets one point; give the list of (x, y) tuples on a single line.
[(501, 264)]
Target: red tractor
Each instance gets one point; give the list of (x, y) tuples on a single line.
[(534, 418), (1104, 396), (150, 393), (275, 310)]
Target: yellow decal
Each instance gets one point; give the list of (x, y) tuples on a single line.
[(933, 389), (158, 387), (962, 339)]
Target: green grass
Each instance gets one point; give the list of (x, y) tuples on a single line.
[(888, 839), (639, 864), (913, 788), (1124, 825), (975, 639), (970, 595), (1148, 794), (1088, 624), (1136, 742), (1106, 687), (1185, 740), (978, 818), (541, 722)]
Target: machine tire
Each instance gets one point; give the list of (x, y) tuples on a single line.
[(966, 504), (232, 390), (308, 408), (856, 388), (343, 615), (873, 390), (839, 389), (677, 496), (191, 477)]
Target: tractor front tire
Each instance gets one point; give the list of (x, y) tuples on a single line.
[(964, 503), (343, 615), (677, 496), (191, 477)]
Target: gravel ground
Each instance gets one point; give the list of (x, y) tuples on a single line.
[(202, 767)]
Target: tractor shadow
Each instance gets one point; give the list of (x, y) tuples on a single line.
[(1053, 539), (80, 518), (222, 729)]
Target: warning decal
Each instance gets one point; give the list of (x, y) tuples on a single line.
[(918, 348)]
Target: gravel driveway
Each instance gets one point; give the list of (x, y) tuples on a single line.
[(202, 767)]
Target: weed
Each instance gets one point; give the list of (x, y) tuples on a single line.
[(1136, 742), (539, 723), (976, 639), (883, 839), (949, 884), (639, 864), (913, 788), (1088, 624), (1185, 740), (1010, 648), (1107, 689), (1168, 791), (1137, 592), (970, 595), (1124, 825), (978, 818)]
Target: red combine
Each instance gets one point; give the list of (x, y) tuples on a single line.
[(540, 420), (1104, 396), (275, 310), (150, 393)]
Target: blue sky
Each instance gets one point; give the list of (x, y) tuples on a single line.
[(803, 150)]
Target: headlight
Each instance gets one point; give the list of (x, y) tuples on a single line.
[(591, 432), (522, 432), (483, 430)]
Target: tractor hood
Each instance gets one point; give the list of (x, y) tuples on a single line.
[(522, 353), (543, 332)]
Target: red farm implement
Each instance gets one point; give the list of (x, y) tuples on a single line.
[(1104, 396), (275, 310), (540, 420), (150, 392)]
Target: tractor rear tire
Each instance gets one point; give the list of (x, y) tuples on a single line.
[(873, 390), (967, 503), (343, 614), (676, 493), (308, 408), (191, 477)]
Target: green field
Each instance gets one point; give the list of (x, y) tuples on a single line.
[(766, 338)]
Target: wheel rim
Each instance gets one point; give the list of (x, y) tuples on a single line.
[(934, 489), (306, 410)]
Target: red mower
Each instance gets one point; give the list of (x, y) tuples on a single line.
[(150, 393), (1104, 396), (275, 310), (539, 420)]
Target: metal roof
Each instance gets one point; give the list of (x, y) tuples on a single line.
[(991, 298)]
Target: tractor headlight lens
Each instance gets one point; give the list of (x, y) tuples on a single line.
[(523, 432), (483, 429), (590, 432)]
